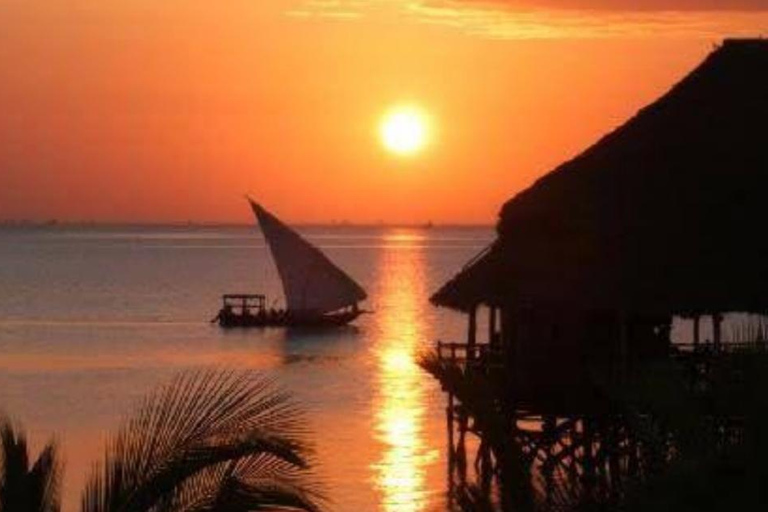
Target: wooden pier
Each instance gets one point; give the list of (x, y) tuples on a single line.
[(569, 453)]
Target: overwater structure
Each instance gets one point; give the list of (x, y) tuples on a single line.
[(661, 219)]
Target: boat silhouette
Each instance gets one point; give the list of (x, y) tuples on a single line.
[(317, 292)]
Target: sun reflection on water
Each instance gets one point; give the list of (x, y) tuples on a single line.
[(399, 407)]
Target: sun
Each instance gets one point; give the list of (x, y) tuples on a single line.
[(404, 130)]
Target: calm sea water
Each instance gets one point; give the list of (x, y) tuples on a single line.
[(93, 318)]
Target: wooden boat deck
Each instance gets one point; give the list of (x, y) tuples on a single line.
[(249, 310)]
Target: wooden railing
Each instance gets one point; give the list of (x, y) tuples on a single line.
[(725, 347), (486, 356), (479, 355), (461, 353)]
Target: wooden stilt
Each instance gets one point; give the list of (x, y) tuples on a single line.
[(451, 449), (461, 448)]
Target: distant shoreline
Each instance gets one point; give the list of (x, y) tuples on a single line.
[(5, 224)]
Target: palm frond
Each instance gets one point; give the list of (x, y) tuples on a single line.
[(25, 489), (14, 467), (253, 484), (203, 431), (45, 479)]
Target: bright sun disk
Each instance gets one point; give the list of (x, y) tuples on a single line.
[(404, 131)]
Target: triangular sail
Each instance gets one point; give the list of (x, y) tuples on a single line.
[(311, 282)]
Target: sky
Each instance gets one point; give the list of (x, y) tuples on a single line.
[(145, 111)]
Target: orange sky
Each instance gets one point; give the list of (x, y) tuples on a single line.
[(144, 111)]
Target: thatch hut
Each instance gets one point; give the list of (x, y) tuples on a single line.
[(662, 217)]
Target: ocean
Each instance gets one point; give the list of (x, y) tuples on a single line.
[(93, 318)]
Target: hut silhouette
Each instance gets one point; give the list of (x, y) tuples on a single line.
[(663, 214), (661, 218)]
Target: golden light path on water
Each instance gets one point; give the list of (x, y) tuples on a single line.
[(399, 406)]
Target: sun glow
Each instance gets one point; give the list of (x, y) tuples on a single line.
[(404, 130)]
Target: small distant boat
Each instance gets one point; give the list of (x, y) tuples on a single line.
[(317, 292)]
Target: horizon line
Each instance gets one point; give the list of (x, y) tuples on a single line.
[(52, 223)]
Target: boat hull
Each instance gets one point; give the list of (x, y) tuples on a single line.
[(232, 320)]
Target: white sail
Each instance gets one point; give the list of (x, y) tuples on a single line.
[(311, 282)]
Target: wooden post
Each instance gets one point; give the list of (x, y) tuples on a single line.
[(717, 318), (508, 337), (461, 447), (451, 449), (472, 333), (491, 325), (696, 332)]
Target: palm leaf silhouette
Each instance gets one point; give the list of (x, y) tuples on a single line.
[(210, 440), (25, 489)]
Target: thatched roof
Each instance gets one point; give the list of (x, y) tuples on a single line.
[(477, 282), (666, 213)]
